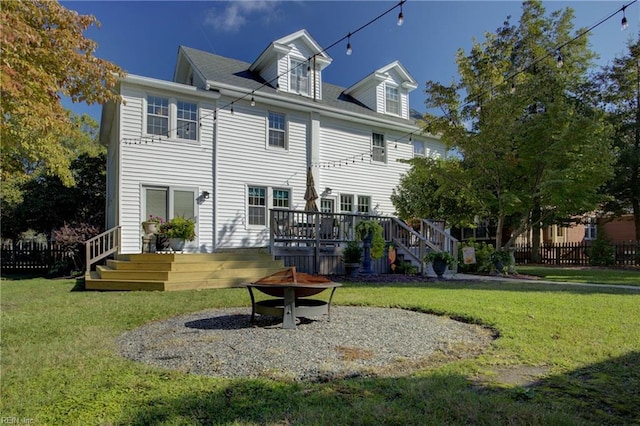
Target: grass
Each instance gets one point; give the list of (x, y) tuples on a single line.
[(60, 363), (591, 275)]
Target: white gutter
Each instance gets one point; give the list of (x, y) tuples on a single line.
[(169, 85)]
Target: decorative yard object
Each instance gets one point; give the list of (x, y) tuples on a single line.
[(440, 260)]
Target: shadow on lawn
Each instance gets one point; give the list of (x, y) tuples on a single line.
[(602, 393), (529, 286)]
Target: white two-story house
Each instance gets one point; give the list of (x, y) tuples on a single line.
[(227, 140)]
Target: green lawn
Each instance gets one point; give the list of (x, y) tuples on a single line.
[(60, 365), (584, 274)]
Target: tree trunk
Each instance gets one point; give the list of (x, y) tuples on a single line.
[(535, 232), (499, 231)]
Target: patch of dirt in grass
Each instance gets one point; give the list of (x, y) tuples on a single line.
[(513, 375), (352, 354)]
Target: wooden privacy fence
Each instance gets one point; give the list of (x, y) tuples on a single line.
[(31, 256), (577, 254)]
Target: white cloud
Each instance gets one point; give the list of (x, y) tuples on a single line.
[(234, 14)]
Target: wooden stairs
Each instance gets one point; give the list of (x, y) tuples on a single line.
[(170, 272)]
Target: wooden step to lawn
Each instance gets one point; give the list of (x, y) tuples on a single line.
[(177, 271)]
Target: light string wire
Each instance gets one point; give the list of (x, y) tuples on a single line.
[(153, 138), (511, 77)]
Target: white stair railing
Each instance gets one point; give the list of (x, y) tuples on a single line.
[(101, 246)]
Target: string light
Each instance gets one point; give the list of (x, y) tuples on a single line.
[(253, 101), (400, 15), (513, 87), (349, 50), (231, 107), (624, 24), (559, 60)]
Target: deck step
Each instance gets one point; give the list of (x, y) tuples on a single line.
[(178, 271)]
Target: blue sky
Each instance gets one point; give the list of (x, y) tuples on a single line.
[(143, 37)]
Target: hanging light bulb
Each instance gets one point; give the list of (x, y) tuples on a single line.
[(277, 87), (231, 107), (349, 50), (309, 65), (513, 87), (400, 16), (559, 60), (253, 101), (624, 24)]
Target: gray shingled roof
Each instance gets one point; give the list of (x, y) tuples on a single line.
[(216, 68)]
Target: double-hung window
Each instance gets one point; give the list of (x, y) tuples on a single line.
[(392, 100), (590, 229), (378, 147), (299, 77), (364, 204), (172, 118), (257, 205), (418, 149), (346, 203), (277, 132), (157, 116), (281, 198), (187, 123)]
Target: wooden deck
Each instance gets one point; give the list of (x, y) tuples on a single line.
[(170, 272)]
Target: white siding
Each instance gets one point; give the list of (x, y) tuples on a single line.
[(169, 163), (244, 159), (340, 141)]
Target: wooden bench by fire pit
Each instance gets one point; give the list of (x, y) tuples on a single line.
[(291, 290)]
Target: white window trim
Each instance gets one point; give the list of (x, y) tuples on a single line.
[(268, 203), (173, 118), (268, 129), (384, 148), (303, 61), (386, 110)]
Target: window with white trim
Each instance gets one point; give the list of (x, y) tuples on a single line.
[(169, 202), (364, 204), (187, 121), (418, 149), (327, 205), (172, 118), (346, 203), (281, 198), (299, 77), (392, 99), (257, 205), (378, 147), (277, 132), (157, 115)]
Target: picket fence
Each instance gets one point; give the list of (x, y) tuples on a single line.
[(31, 256), (577, 254)]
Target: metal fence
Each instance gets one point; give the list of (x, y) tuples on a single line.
[(31, 256), (577, 254)]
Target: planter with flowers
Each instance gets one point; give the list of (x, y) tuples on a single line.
[(151, 225), (440, 260), (178, 230)]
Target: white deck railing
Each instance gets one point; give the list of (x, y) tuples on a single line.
[(101, 246)]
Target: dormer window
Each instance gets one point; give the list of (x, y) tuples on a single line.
[(299, 77), (392, 100)]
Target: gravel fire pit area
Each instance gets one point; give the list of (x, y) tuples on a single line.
[(357, 342)]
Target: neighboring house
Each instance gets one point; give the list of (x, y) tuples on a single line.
[(226, 141)]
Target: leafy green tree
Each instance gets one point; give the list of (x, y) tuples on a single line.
[(45, 56), (531, 146), (434, 189), (619, 90)]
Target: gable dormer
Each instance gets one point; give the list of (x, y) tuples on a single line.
[(385, 90), (293, 64)]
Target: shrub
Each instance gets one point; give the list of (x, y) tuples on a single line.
[(483, 253), (179, 227), (71, 238), (365, 227), (601, 252), (440, 255), (352, 253)]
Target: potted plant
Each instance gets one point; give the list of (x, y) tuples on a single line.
[(370, 232), (440, 260), (178, 230), (150, 226), (351, 256)]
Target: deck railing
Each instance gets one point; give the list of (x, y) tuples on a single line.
[(313, 234), (101, 246)]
